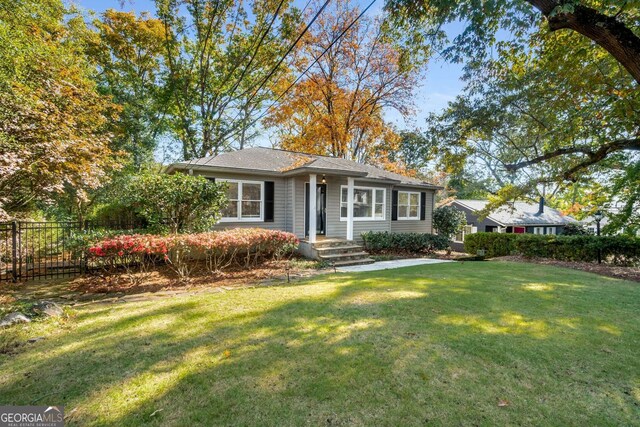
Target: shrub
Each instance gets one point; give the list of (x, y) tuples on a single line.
[(177, 202), (245, 247), (377, 242), (494, 244), (618, 250), (447, 220), (574, 230)]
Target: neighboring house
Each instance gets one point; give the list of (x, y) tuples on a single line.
[(516, 217), (315, 196)]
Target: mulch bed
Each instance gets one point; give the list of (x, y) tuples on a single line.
[(627, 273), (162, 278)]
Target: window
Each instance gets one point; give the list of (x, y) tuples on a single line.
[(538, 230), (551, 230), (467, 229), (408, 205), (245, 201), (368, 203)]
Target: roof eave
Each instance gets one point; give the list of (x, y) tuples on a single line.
[(227, 169)]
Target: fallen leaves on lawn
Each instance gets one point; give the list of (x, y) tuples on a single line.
[(502, 403)]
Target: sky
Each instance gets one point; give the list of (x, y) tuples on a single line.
[(440, 83)]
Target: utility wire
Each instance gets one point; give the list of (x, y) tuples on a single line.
[(305, 71), (274, 69)]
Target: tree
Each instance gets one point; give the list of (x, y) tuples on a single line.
[(556, 108), (567, 53), (447, 220), (178, 202), (612, 25), (222, 60), (52, 119), (128, 51), (338, 107)]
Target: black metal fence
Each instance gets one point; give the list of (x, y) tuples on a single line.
[(34, 250)]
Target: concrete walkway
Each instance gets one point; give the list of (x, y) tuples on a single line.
[(397, 263)]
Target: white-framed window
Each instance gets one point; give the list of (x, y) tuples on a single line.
[(538, 230), (551, 230), (408, 205), (369, 203), (246, 201)]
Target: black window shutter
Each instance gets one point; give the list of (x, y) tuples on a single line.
[(269, 193), (394, 205), (423, 206)]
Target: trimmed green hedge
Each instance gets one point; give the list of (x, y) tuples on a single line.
[(377, 242), (618, 250)]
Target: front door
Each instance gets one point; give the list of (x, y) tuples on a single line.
[(321, 209)]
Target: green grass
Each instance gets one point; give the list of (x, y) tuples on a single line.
[(438, 345)]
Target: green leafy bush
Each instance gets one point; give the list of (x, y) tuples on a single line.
[(379, 242), (618, 250), (574, 230), (179, 202), (494, 244), (448, 220)]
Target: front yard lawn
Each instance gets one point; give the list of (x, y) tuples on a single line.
[(474, 343)]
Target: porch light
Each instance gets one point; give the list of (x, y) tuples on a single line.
[(324, 179)]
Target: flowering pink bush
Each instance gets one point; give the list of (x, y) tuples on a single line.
[(241, 246)]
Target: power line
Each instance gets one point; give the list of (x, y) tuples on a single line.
[(260, 43), (255, 52), (274, 69), (305, 71)]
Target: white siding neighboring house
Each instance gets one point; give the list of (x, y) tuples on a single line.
[(271, 188)]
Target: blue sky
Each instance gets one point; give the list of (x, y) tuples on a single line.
[(440, 83)]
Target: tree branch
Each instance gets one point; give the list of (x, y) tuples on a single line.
[(609, 33), (593, 156)]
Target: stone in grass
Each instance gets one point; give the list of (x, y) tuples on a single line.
[(47, 308), (13, 318)]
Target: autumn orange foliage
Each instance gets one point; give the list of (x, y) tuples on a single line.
[(338, 108)]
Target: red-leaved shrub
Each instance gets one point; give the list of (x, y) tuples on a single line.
[(245, 247)]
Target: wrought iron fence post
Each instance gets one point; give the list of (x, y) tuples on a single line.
[(83, 253), (14, 250)]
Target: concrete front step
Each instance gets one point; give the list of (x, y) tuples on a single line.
[(331, 243), (344, 257), (332, 250)]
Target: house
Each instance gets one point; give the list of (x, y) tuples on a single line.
[(326, 201), (515, 217)]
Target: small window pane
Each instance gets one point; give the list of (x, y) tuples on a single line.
[(414, 199), (250, 209), (232, 191), (362, 211), (343, 211), (413, 212), (345, 195), (362, 196), (251, 192), (403, 198), (402, 211), (231, 211), (379, 196), (379, 210)]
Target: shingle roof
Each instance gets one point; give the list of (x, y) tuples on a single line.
[(519, 213), (275, 161)]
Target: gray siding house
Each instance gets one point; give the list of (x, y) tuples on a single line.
[(516, 217), (323, 200)]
